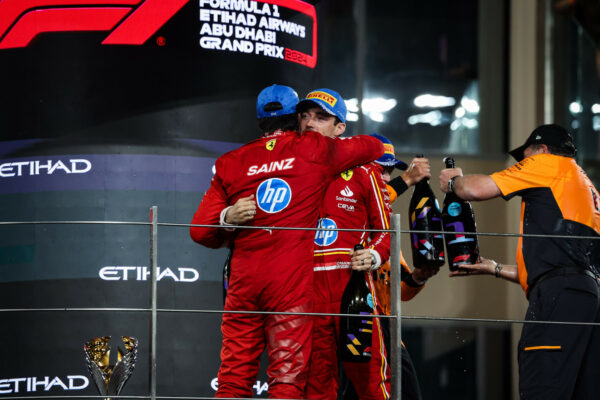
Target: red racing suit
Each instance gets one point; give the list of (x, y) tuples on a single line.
[(355, 200), (271, 270)]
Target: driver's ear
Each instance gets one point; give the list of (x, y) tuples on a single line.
[(340, 128)]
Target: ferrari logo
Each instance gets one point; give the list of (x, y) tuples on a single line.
[(271, 144), (347, 175)]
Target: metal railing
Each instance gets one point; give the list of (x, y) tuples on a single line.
[(395, 297)]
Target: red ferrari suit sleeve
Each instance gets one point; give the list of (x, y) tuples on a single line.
[(341, 154), (208, 213), (378, 212)]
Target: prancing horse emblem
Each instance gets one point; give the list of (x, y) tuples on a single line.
[(347, 175)]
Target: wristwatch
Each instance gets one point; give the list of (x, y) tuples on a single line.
[(498, 269), (373, 261), (451, 184)]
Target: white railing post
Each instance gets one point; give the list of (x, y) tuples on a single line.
[(396, 309)]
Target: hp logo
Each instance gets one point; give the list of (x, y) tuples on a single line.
[(325, 238), (273, 195)]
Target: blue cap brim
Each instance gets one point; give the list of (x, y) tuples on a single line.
[(393, 163)]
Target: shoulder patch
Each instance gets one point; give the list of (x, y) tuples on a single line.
[(347, 175), (271, 144)]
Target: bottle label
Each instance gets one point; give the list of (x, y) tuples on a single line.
[(454, 209), (328, 236), (370, 300)]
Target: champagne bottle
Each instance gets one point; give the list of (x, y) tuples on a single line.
[(356, 334), (425, 215), (458, 218)]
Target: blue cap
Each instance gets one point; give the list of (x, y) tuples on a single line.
[(276, 100), (388, 159), (329, 100)]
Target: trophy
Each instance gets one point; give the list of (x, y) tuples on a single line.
[(110, 379)]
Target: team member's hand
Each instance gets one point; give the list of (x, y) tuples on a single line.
[(360, 260), (242, 211), (445, 176), (483, 267), (417, 170), (420, 275)]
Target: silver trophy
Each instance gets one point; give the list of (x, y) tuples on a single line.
[(110, 379)]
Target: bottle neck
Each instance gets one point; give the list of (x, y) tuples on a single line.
[(423, 182), (356, 274)]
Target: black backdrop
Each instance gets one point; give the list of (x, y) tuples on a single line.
[(96, 132)]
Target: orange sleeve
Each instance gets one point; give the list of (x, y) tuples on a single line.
[(532, 172), (392, 193)]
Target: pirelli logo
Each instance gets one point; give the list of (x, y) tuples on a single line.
[(326, 97), (130, 22), (388, 149)]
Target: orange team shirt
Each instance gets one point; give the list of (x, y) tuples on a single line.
[(557, 199)]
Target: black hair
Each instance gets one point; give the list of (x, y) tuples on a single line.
[(287, 122)]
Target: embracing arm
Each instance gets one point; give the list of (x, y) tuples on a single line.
[(211, 211), (345, 153)]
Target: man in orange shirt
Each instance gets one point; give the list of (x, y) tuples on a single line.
[(559, 275)]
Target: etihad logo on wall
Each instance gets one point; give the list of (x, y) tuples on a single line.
[(140, 273), (48, 167), (130, 22), (34, 384)]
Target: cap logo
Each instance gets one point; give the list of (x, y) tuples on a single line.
[(347, 175), (326, 97), (388, 149), (538, 137), (271, 144)]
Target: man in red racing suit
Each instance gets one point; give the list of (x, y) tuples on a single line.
[(271, 270), (355, 199)]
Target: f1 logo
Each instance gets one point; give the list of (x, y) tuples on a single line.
[(131, 21), (328, 235), (273, 195)]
